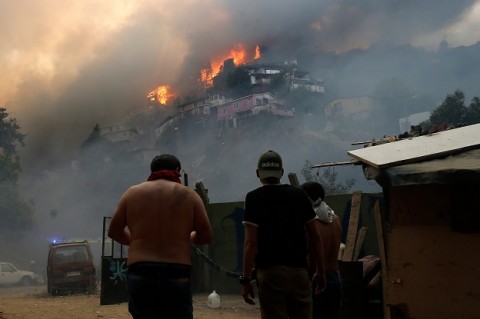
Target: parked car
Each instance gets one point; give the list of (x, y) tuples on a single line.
[(70, 268), (11, 275)]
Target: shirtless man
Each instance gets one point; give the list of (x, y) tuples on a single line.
[(326, 304), (159, 219)]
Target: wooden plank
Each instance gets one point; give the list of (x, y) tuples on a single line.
[(202, 192), (420, 148), (203, 267), (329, 164), (383, 258), (359, 243), (292, 177), (352, 226)]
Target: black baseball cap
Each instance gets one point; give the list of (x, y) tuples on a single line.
[(270, 165)]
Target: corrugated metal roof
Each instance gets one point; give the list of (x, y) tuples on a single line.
[(419, 148)]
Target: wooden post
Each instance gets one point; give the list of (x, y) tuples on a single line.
[(202, 192), (292, 177), (383, 259), (185, 179), (203, 266), (352, 226), (359, 243)]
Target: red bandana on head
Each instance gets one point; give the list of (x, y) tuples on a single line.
[(169, 175)]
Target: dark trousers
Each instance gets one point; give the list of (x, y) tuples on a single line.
[(327, 304), (159, 290), (284, 293)]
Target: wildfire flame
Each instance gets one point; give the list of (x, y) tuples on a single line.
[(161, 95), (257, 53), (239, 55)]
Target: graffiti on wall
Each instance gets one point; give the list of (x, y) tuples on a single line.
[(118, 271), (113, 281)]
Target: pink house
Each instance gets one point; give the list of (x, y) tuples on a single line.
[(252, 105)]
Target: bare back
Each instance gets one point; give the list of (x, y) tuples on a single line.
[(163, 218)]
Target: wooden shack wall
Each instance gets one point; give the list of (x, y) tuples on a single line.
[(431, 239)]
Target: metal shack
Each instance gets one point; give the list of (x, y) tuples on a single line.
[(431, 226)]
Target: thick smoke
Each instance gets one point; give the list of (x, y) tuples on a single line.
[(66, 68)]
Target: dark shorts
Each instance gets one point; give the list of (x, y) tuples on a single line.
[(327, 304), (159, 290), (284, 292)]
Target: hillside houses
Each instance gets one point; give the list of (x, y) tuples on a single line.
[(202, 107), (119, 132), (359, 106), (235, 112), (218, 110), (300, 79), (264, 74), (356, 111)]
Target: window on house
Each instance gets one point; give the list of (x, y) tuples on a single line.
[(235, 105), (272, 71), (265, 101)]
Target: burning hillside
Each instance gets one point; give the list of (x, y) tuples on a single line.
[(239, 54), (160, 96)]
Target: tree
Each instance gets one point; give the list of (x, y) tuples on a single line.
[(473, 111), (16, 214), (452, 111), (10, 134), (328, 180)]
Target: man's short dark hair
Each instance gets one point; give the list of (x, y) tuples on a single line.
[(314, 190), (165, 161)]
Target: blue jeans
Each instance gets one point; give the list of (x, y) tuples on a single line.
[(159, 290), (327, 304)]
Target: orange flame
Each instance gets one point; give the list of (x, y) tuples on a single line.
[(257, 53), (161, 95), (239, 55)]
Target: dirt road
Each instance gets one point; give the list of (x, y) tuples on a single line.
[(35, 303)]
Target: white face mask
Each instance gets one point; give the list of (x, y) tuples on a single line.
[(324, 212)]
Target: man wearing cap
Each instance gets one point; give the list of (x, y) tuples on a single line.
[(276, 217)]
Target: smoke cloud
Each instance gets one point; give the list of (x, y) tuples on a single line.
[(67, 67)]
